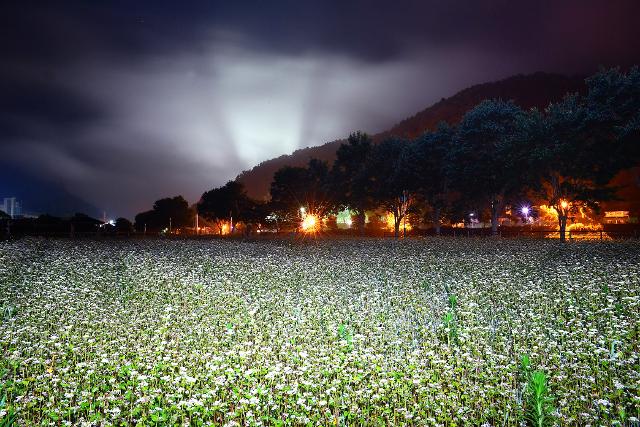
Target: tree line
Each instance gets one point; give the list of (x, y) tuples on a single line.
[(497, 155)]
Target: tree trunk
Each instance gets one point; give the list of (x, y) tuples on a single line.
[(436, 220), (562, 221), (396, 226), (494, 217), (361, 222)]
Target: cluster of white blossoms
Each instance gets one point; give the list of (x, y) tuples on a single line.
[(336, 332)]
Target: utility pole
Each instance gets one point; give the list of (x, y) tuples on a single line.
[(231, 223), (169, 225), (197, 230)]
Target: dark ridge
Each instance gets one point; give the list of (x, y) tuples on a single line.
[(528, 91)]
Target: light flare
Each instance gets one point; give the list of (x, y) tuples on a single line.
[(310, 223)]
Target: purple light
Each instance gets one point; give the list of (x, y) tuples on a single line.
[(525, 211)]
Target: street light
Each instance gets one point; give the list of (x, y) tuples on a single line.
[(525, 212)]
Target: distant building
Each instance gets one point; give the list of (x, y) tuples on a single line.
[(616, 217), (11, 207)]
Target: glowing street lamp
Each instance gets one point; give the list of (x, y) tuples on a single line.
[(525, 211), (564, 204), (310, 224)]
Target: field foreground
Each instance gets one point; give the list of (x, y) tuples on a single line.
[(347, 332)]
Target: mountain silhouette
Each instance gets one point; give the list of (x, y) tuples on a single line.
[(527, 91)]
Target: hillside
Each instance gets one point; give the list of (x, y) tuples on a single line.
[(534, 90)]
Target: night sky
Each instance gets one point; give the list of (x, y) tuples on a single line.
[(121, 103)]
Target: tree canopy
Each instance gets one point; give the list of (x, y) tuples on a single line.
[(349, 186), (226, 203), (425, 162), (166, 213), (123, 225), (481, 163), (300, 187), (576, 146), (388, 182)]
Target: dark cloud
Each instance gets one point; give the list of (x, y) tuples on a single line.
[(30, 106), (122, 102), (368, 30)]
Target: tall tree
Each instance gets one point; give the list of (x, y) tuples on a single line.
[(124, 226), (300, 187), (481, 158), (580, 143), (255, 214), (318, 194), (425, 161), (171, 212), (348, 176), (612, 118), (388, 180), (227, 203)]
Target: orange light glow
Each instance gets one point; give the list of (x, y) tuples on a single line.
[(390, 221), (310, 223), (564, 204), (584, 227), (547, 213), (225, 228)]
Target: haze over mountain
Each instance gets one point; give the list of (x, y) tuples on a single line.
[(527, 91)]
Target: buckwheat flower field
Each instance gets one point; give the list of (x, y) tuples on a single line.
[(345, 332)]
